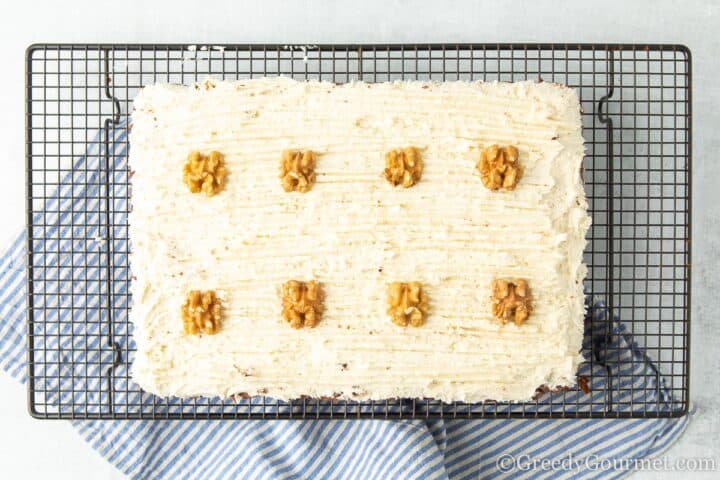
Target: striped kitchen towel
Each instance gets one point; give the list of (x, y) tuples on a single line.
[(364, 449)]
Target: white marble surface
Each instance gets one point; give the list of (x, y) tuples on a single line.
[(38, 449)]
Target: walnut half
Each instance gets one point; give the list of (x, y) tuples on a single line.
[(201, 312), (511, 301), (407, 304), (403, 166), (297, 170), (205, 173), (302, 303), (499, 167)]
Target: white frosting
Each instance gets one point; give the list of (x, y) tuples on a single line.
[(355, 233)]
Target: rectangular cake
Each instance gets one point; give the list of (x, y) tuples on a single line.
[(498, 259)]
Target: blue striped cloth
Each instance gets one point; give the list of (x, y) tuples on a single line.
[(366, 449)]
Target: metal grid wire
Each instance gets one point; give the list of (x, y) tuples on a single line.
[(636, 124)]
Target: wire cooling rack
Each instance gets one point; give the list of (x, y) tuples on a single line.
[(636, 124)]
